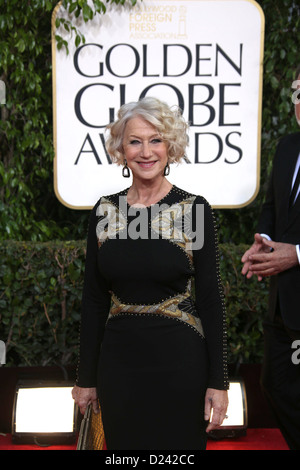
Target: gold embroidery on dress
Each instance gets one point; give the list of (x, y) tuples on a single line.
[(111, 222), (179, 307), (172, 223), (169, 224)]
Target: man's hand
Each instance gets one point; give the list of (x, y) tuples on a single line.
[(283, 257), (217, 402), (84, 396), (257, 247)]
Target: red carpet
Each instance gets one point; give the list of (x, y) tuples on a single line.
[(256, 439)]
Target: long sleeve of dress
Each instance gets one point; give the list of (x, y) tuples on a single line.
[(95, 308), (209, 299)]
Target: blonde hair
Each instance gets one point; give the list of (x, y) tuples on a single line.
[(169, 123)]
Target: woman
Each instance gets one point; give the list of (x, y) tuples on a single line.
[(162, 365)]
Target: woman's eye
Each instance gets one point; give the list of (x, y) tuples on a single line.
[(137, 142)]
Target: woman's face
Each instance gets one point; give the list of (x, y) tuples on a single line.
[(144, 150)]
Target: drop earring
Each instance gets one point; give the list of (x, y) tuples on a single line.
[(167, 169), (125, 170)]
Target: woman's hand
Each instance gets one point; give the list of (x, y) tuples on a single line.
[(84, 396), (216, 401)]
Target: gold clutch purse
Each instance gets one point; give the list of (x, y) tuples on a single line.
[(91, 434)]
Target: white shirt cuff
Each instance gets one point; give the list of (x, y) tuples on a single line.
[(266, 236), (298, 252)]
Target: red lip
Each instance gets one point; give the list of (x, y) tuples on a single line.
[(147, 164)]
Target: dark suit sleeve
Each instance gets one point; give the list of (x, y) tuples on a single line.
[(274, 215), (266, 221)]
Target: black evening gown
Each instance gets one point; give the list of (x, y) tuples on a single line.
[(153, 331)]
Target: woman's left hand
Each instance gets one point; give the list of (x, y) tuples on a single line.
[(217, 402)]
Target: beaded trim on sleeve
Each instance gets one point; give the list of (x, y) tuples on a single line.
[(224, 323)]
